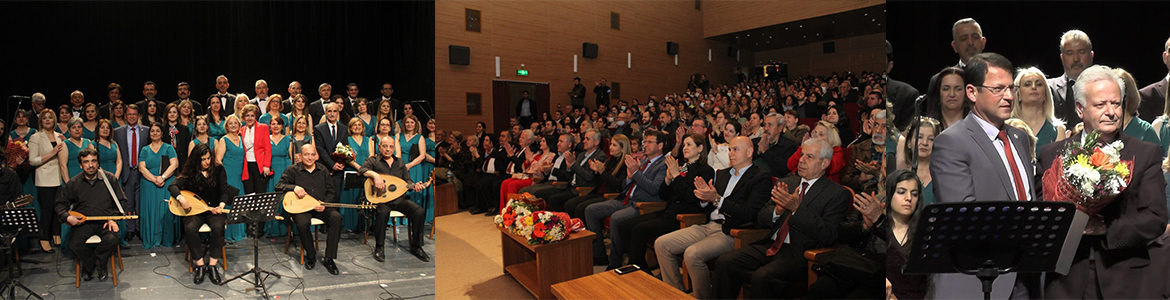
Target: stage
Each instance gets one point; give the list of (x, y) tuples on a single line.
[(161, 273)]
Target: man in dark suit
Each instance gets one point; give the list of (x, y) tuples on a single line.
[(114, 93), (317, 108), (227, 101), (294, 89), (732, 199), (326, 136), (387, 91), (645, 173), (131, 138), (900, 94), (1154, 95), (515, 154), (491, 166), (1111, 262), (1076, 54), (184, 93), (602, 90), (804, 213), (970, 158), (577, 171), (577, 95), (968, 40), (772, 149), (261, 99), (526, 109)]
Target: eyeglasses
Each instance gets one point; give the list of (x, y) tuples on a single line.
[(647, 142), (998, 90)]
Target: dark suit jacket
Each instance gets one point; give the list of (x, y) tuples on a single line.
[(680, 193), (1153, 100), (228, 102), (577, 95), (777, 156), (1066, 108), (501, 161), (317, 109), (902, 95), (816, 222), (531, 109), (183, 138), (120, 135), (326, 144), (582, 174), (742, 206), (1133, 219)]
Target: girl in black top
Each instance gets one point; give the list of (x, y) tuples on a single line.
[(678, 192), (202, 176)]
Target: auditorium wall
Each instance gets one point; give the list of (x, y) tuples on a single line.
[(544, 36), (723, 17), (856, 54)]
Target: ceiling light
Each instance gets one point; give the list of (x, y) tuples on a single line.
[(866, 14), (873, 20), (801, 26)]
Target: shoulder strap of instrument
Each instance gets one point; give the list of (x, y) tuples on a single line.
[(111, 190)]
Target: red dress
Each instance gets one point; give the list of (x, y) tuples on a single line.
[(513, 185), (835, 166)]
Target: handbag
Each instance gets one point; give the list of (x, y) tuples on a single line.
[(849, 265)]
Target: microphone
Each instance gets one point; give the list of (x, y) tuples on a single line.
[(19, 97)]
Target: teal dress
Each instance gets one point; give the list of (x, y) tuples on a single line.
[(927, 195), (115, 123), (1143, 130), (1163, 131), (266, 118), (157, 225), (215, 129), (108, 160), (281, 160), (370, 130), (210, 143), (349, 216), (423, 175), (1047, 134), (233, 162), (74, 166), (89, 134)]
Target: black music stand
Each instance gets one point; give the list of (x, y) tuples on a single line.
[(19, 222), (254, 209), (988, 239)]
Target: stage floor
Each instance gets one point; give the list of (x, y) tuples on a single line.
[(160, 273)]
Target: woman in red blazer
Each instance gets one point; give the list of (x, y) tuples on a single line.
[(257, 152)]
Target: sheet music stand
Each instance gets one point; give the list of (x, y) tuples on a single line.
[(19, 222), (254, 209), (988, 239)]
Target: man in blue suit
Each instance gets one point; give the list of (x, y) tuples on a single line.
[(125, 136), (644, 175)]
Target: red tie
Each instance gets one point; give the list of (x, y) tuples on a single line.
[(1007, 150), (782, 233), (634, 184), (134, 145)]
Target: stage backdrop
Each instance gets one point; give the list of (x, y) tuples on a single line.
[(58, 47)]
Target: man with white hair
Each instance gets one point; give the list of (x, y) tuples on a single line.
[(862, 173), (261, 99), (38, 104), (1076, 53), (772, 149), (1154, 95), (1114, 262), (968, 40)]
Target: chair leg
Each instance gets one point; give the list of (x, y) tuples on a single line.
[(115, 273), (289, 236), (395, 222), (302, 255), (686, 276), (78, 279), (223, 257), (119, 252), (432, 230)]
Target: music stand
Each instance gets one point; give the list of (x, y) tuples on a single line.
[(988, 239), (254, 209), (13, 223)]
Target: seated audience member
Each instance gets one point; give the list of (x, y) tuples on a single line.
[(717, 158), (827, 132), (731, 200), (612, 174), (534, 171), (772, 149), (517, 157), (677, 190), (904, 191), (490, 161), (578, 173), (559, 165), (775, 263), (862, 173), (644, 176)]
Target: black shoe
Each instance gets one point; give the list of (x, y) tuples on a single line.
[(102, 274), (601, 261), (492, 212), (310, 262), (213, 274), (329, 265), (379, 254), (422, 255), (200, 272), (477, 211), (87, 275)]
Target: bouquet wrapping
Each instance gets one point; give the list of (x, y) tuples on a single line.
[(17, 153), (1090, 175), (342, 154)]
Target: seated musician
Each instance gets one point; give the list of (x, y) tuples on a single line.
[(202, 176), (310, 178), (88, 194), (9, 181), (385, 163)]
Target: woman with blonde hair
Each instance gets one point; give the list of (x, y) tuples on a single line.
[(46, 152), (828, 132), (89, 118), (613, 176), (230, 154), (1034, 107), (928, 129), (186, 114), (241, 101), (275, 106), (299, 135)]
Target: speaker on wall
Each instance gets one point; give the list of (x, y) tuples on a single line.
[(589, 50), (459, 55), (732, 52), (671, 48)]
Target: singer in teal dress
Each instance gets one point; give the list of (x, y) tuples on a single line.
[(210, 142), (427, 194), (361, 151), (74, 166), (233, 160), (267, 118), (215, 129), (157, 225), (281, 159), (409, 153), (108, 160)]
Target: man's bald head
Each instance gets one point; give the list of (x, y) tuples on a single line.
[(740, 153)]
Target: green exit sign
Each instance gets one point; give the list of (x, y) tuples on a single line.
[(522, 72)]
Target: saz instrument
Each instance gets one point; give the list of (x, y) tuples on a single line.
[(198, 206), (395, 187), (18, 203), (295, 205), (84, 218)]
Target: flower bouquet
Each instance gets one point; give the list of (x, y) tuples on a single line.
[(515, 209), (1090, 175), (343, 154), (17, 153), (543, 227)]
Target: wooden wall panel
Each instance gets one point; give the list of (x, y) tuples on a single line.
[(856, 54), (723, 17), (544, 36)]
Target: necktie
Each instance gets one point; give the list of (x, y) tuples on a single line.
[(134, 145), (635, 184), (333, 132), (1007, 150), (782, 233)]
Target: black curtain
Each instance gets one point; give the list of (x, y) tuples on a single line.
[(58, 47)]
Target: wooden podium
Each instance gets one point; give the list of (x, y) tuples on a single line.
[(538, 267)]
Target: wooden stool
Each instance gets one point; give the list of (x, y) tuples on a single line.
[(118, 253), (312, 222), (223, 252)]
